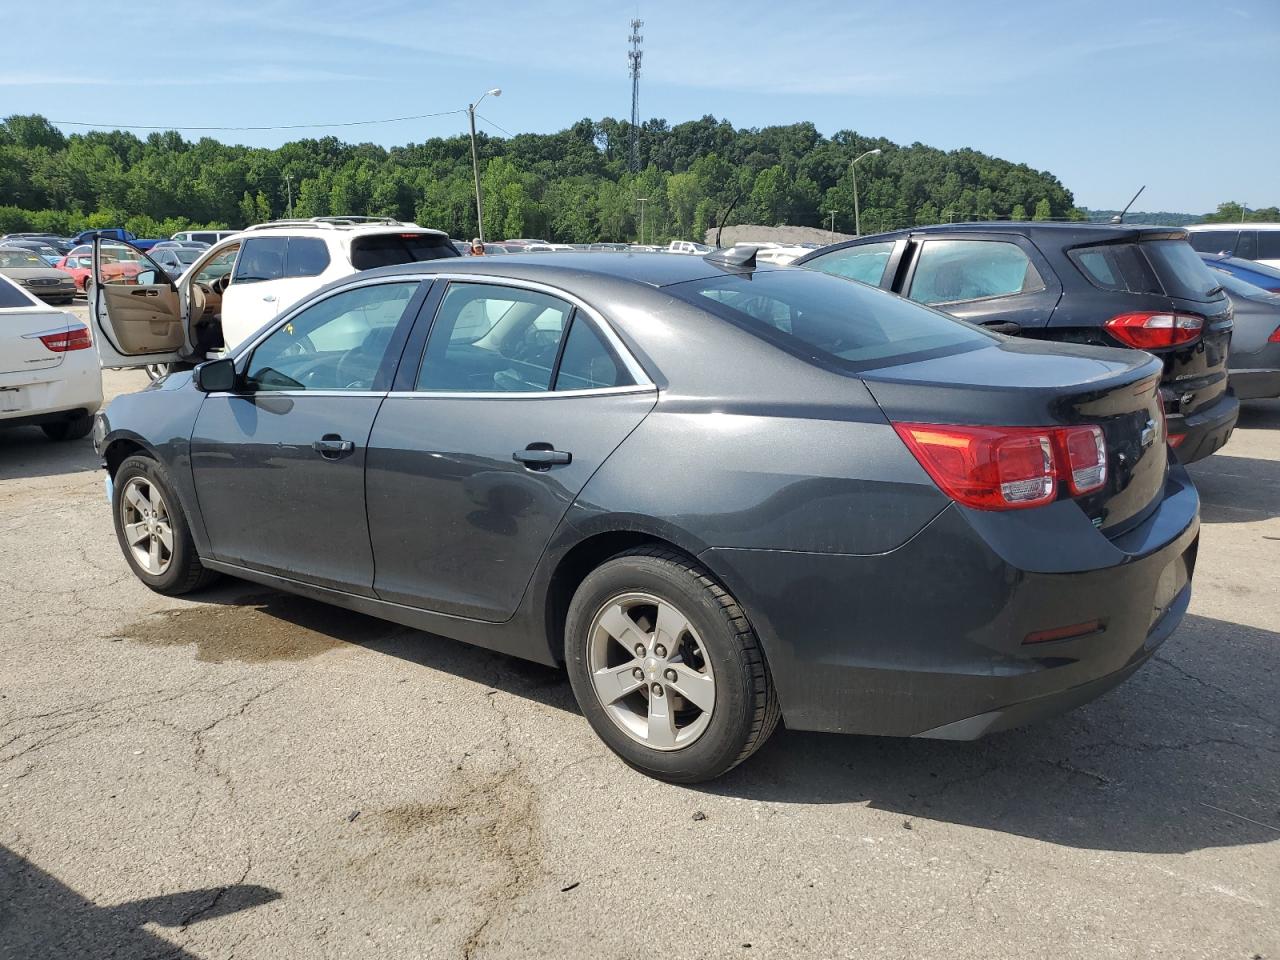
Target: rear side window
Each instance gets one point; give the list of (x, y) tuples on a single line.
[(1213, 241), (587, 363), (307, 257), (865, 263), (1181, 270), (952, 271), (1268, 245), (1247, 244), (387, 249), (820, 317), (11, 296), (1116, 266), (262, 258)]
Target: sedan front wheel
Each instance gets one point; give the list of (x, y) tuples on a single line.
[(666, 667), (153, 531)]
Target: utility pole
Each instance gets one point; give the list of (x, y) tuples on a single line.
[(288, 186), (857, 219), (634, 56), (833, 225), (642, 201), (475, 162)]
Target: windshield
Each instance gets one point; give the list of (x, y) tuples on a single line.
[(14, 257), (185, 254), (828, 318)]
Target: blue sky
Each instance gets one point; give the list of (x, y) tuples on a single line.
[(1183, 97)]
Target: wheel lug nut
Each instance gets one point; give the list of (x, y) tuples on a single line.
[(659, 651), (638, 673), (670, 675), (639, 649), (657, 689)]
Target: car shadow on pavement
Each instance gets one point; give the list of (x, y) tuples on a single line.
[(1259, 414), (1182, 757), (1237, 489), (42, 917), (27, 452)]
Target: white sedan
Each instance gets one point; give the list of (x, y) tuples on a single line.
[(49, 374)]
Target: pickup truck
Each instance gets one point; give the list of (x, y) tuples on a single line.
[(116, 233)]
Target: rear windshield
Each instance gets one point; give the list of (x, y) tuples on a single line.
[(386, 249), (841, 322), (1181, 270), (12, 296)]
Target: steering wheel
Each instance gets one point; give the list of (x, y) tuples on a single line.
[(219, 286)]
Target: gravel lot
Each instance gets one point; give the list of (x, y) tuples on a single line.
[(254, 775)]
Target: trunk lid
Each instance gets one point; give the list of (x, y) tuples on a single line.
[(1025, 383), (21, 351)]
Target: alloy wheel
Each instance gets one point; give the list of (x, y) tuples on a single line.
[(650, 671), (148, 529)]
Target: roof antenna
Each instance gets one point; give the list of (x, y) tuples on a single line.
[(1119, 218), (744, 259)]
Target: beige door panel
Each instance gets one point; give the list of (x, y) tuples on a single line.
[(144, 319)]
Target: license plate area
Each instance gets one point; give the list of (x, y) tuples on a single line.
[(12, 399)]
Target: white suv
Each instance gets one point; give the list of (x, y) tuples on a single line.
[(242, 283), (1249, 241)]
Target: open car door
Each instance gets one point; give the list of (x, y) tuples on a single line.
[(135, 306)]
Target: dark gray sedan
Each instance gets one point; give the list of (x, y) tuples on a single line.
[(719, 495)]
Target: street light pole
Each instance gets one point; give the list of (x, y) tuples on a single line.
[(832, 236), (857, 218), (642, 201), (475, 162)]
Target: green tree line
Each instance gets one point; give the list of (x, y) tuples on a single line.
[(570, 186)]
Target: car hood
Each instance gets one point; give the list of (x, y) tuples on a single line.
[(34, 273)]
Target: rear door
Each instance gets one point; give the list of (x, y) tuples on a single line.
[(995, 280), (135, 307), (492, 431)]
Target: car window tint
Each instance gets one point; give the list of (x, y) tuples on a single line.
[(336, 344), (262, 259), (815, 316), (587, 363), (386, 249), (1268, 246), (948, 271), (865, 264), (488, 338), (307, 257), (12, 296), (1213, 241), (1115, 266)]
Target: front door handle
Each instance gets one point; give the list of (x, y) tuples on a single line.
[(333, 447), (541, 456), (270, 298)]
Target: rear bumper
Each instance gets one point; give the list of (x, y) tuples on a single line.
[(1205, 430), (1255, 384), (928, 640)]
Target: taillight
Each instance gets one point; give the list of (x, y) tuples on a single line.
[(1153, 331), (77, 338), (1008, 468), (1275, 336)]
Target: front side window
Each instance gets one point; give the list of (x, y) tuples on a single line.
[(952, 271), (819, 317), (336, 344), (262, 259), (865, 263), (493, 339), (307, 257)]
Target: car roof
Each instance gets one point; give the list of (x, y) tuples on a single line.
[(649, 269), (1251, 225)]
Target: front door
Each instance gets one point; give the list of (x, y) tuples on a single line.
[(135, 307), (518, 399), (279, 464)]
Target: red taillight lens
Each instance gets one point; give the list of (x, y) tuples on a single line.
[(1008, 468), (77, 338), (1175, 439), (1275, 336), (1153, 331), (1086, 458)]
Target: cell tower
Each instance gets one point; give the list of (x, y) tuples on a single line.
[(635, 56)]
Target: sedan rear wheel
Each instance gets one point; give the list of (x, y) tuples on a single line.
[(666, 667), (152, 530)]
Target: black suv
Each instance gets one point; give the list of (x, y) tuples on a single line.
[(1113, 285)]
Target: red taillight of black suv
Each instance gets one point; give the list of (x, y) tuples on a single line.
[(1154, 331)]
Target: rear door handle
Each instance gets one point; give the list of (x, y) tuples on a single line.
[(333, 447), (541, 456)]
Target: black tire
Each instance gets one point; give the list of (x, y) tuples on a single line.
[(76, 429), (746, 709), (185, 572)]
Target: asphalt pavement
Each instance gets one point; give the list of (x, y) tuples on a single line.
[(252, 775)]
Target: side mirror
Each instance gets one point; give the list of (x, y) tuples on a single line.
[(146, 278), (215, 376)]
